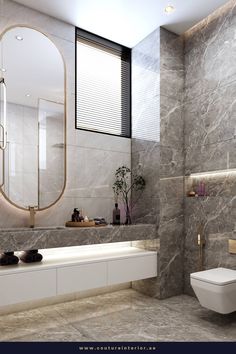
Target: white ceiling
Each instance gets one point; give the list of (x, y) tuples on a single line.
[(126, 21)]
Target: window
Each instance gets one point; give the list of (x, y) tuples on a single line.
[(102, 85)]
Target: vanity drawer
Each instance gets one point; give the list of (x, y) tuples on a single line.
[(133, 268), (81, 277), (27, 286)]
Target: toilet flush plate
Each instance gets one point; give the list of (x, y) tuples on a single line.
[(232, 246)]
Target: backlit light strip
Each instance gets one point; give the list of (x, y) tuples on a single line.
[(213, 173)]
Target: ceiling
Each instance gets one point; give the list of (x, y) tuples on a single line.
[(126, 21)]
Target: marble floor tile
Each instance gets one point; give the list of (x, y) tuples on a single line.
[(66, 333), (124, 315), (96, 306), (126, 325), (223, 326), (26, 323)]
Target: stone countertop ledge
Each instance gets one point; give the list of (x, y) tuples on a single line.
[(19, 239)]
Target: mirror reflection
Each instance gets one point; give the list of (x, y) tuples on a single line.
[(33, 163)]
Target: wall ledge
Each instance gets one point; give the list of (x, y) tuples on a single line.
[(42, 238)]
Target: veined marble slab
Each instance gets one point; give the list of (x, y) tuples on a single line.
[(40, 238)]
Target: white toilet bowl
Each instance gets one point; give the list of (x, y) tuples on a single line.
[(215, 289)]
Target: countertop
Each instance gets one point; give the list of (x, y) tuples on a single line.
[(19, 239)]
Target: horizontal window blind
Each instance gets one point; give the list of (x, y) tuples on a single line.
[(102, 86)]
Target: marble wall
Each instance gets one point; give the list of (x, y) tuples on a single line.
[(161, 160), (91, 158), (197, 134), (210, 120), (171, 230), (145, 145)]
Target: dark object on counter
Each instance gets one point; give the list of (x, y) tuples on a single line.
[(8, 258), (76, 217), (116, 215), (100, 221), (31, 256)]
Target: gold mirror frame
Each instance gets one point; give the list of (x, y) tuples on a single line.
[(36, 208)]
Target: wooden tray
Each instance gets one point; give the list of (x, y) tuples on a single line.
[(80, 224)]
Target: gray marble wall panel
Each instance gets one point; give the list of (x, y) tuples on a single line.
[(163, 166), (146, 160), (149, 287), (218, 244), (146, 88), (214, 119), (171, 237), (209, 115), (171, 124), (145, 148), (171, 164), (210, 52), (146, 125), (207, 158), (171, 65)]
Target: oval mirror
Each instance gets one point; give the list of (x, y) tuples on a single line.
[(32, 92)]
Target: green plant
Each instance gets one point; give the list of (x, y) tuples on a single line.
[(127, 181)]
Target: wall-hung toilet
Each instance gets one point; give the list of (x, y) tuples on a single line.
[(215, 289)]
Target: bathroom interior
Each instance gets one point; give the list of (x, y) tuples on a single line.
[(170, 275)]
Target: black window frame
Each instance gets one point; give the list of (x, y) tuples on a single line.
[(107, 44)]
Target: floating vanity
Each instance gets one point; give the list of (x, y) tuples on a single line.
[(74, 260)]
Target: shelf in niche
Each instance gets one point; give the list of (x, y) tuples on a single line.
[(217, 184), (208, 197), (199, 197), (216, 173)]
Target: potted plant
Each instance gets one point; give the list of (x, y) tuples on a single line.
[(127, 181)]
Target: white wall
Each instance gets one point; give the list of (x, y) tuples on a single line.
[(91, 158)]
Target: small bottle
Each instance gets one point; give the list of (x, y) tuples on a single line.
[(201, 189), (116, 215)]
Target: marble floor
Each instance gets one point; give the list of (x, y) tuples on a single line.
[(124, 315)]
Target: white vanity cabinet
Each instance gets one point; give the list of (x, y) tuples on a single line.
[(81, 277), (27, 286), (77, 270), (131, 269)]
